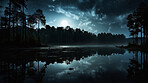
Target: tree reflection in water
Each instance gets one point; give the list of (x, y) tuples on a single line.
[(138, 67), (30, 65)]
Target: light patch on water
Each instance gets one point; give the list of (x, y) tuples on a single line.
[(79, 46)]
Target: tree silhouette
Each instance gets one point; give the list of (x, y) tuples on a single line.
[(39, 18), (142, 12), (133, 27), (137, 22)]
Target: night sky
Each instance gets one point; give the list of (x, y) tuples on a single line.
[(95, 16)]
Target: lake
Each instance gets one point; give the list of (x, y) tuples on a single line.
[(73, 64)]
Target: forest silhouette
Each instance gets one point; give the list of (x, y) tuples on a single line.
[(18, 28)]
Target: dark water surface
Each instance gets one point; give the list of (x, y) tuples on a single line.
[(73, 64)]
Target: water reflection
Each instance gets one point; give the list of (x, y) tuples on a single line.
[(58, 65), (138, 67)]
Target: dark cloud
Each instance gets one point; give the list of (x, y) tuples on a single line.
[(86, 5)]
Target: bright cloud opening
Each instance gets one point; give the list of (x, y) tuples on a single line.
[(64, 23)]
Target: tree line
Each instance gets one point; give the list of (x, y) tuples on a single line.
[(68, 35), (18, 27)]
